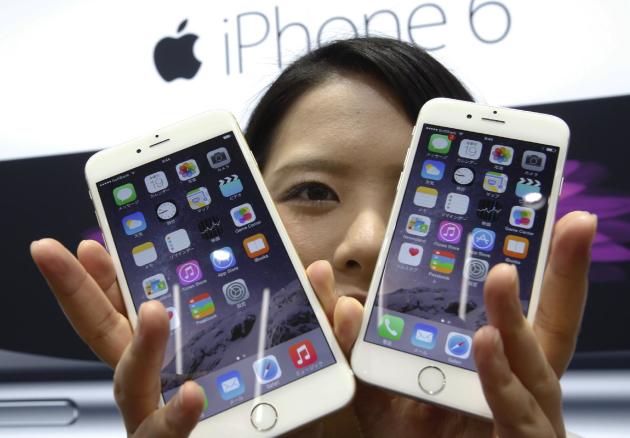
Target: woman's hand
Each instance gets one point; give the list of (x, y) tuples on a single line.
[(137, 382), (87, 291), (519, 365), (86, 288)]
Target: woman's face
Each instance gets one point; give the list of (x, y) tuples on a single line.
[(332, 170)]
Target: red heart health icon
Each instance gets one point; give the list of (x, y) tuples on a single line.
[(414, 251)]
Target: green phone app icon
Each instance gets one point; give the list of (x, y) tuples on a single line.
[(439, 143), (391, 327), (124, 194)]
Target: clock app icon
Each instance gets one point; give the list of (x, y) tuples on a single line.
[(464, 176), (167, 210)]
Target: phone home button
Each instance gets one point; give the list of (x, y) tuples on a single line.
[(264, 417), (431, 380)]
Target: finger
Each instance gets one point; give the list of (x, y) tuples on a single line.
[(178, 418), (137, 376), (516, 413), (92, 315), (321, 276), (98, 263), (524, 354), (347, 318), (564, 288)]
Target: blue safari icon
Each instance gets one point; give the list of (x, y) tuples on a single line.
[(458, 345), (267, 369)]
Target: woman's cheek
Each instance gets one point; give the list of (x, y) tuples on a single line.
[(313, 236)]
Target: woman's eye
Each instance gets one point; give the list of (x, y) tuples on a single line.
[(311, 192)]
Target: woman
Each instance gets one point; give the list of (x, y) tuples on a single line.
[(330, 136)]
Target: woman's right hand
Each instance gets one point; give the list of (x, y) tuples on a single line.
[(87, 290)]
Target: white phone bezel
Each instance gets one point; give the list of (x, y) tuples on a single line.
[(333, 385), (374, 363)]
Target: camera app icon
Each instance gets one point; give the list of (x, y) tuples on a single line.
[(218, 158), (534, 161), (235, 291)]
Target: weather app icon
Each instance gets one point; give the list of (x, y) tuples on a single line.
[(432, 169), (134, 223)]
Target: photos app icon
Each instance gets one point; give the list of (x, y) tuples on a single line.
[(187, 170)]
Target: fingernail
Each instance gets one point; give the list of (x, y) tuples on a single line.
[(496, 339), (34, 244), (514, 272), (497, 355), (179, 400), (140, 323)]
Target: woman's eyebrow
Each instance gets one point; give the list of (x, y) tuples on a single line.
[(333, 167)]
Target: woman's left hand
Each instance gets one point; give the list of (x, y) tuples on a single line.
[(519, 365)]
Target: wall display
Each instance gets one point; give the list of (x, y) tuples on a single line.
[(72, 69)]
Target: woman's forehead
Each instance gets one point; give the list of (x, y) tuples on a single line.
[(347, 120)]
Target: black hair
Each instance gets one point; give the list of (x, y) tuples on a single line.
[(410, 74)]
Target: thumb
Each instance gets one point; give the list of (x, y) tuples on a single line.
[(347, 322), (322, 279), (178, 418)]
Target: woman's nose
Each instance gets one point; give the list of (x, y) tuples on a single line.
[(357, 253)]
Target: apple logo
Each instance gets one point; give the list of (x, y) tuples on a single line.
[(174, 57)]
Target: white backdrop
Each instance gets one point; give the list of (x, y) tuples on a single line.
[(79, 75)]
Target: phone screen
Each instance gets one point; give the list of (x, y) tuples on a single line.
[(197, 219), (471, 201)]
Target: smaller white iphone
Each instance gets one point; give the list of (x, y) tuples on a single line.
[(479, 187), (188, 221)]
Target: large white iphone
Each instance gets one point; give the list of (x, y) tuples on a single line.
[(188, 221), (479, 187)]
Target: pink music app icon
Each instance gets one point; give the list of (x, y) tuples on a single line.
[(303, 353), (189, 272), (450, 232)]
